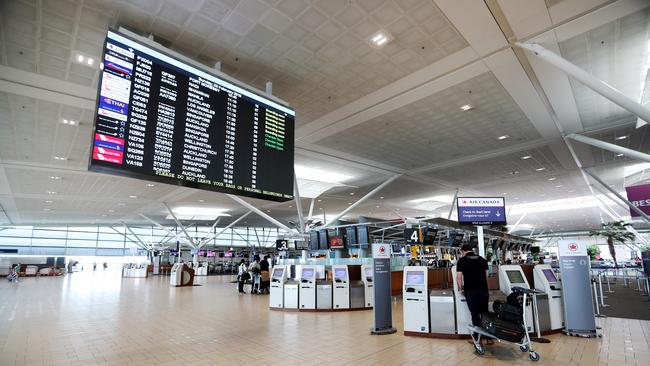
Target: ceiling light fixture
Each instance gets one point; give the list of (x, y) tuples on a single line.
[(150, 185), (133, 196), (48, 201), (552, 178), (60, 158), (54, 177), (120, 203), (51, 192), (526, 157), (380, 39), (503, 137), (47, 209), (558, 186), (201, 200), (69, 122), (466, 107), (621, 137), (540, 169), (619, 155), (351, 193)]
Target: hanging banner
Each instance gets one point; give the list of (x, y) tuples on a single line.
[(640, 197)]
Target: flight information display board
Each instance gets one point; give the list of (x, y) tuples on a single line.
[(164, 120)]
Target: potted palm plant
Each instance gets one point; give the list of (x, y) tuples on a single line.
[(615, 232)]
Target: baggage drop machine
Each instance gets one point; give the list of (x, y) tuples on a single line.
[(415, 295), (278, 278), (307, 286), (550, 307), (463, 316), (181, 275), (367, 277), (341, 284), (511, 276)]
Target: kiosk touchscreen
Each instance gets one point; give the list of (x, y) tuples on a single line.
[(416, 299), (367, 277), (341, 284), (278, 278), (463, 316), (307, 287), (550, 308), (513, 276)]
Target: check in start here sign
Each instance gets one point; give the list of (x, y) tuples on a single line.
[(481, 210)]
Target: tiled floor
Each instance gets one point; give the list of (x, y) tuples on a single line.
[(100, 318)]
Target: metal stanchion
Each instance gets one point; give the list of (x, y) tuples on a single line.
[(598, 315), (625, 281), (609, 288), (602, 298)]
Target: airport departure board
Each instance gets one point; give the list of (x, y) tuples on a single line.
[(164, 120)]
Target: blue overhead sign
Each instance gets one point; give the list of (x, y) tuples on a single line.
[(481, 210)]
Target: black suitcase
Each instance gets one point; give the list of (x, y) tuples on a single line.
[(508, 312), (508, 331)]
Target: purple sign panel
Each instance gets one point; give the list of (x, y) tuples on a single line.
[(640, 197)]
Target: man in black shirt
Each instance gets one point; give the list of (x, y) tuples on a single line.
[(472, 272)]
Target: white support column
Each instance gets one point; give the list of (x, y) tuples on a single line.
[(202, 241), (296, 196), (144, 246), (453, 203), (518, 222), (228, 227), (481, 242), (611, 147), (630, 205), (261, 213), (175, 235), (362, 199), (589, 80), (180, 225), (311, 207), (127, 238)]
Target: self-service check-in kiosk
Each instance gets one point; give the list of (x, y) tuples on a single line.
[(278, 278), (341, 287), (513, 276), (367, 277), (463, 316), (323, 292), (291, 289), (416, 299), (307, 296), (549, 306), (181, 275)]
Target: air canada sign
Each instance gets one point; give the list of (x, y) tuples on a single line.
[(481, 210)]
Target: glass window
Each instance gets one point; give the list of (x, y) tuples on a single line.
[(80, 243), (111, 229), (110, 244), (92, 229), (112, 237), (82, 235), (48, 242), (44, 233), (17, 231), (16, 241)]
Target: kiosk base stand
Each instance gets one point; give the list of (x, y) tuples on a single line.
[(382, 331)]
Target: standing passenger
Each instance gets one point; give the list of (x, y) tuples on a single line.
[(242, 275), (472, 272)]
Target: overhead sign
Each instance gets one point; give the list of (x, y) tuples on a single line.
[(481, 210), (571, 248), (639, 196), (165, 120), (336, 242), (412, 236), (281, 244)]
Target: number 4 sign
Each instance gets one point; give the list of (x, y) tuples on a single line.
[(412, 236)]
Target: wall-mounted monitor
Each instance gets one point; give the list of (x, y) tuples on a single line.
[(162, 119), (481, 210), (429, 236), (336, 242), (534, 250), (314, 240), (415, 278), (457, 239), (515, 277), (302, 245), (323, 239), (363, 236), (228, 254), (351, 236)]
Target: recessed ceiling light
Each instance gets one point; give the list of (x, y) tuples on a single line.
[(552, 178), (90, 61), (619, 155), (51, 192), (351, 193), (466, 107), (380, 39), (349, 203), (120, 203), (47, 209), (502, 137), (150, 185), (69, 122), (104, 215), (48, 201), (377, 206), (621, 137), (504, 193), (133, 196), (268, 211), (320, 208), (201, 200), (526, 157), (540, 169), (55, 177), (111, 211), (381, 198), (558, 186), (290, 206), (80, 58), (60, 158)]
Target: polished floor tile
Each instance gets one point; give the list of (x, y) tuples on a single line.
[(99, 318)]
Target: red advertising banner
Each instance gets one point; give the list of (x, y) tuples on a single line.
[(640, 197)]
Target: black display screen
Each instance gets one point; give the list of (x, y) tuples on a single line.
[(363, 237), (164, 120)]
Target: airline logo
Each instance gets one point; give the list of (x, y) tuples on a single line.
[(115, 87), (573, 247), (113, 105), (122, 51), (118, 65), (108, 113), (107, 158), (481, 202), (108, 152), (108, 145), (110, 139)]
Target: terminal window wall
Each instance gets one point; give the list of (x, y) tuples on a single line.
[(117, 240)]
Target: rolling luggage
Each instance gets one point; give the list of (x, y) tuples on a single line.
[(508, 331), (508, 312)]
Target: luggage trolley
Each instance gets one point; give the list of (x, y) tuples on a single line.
[(525, 344)]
